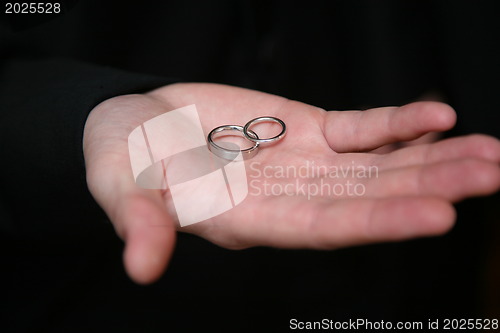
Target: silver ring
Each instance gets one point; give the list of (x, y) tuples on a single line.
[(231, 154), (246, 129)]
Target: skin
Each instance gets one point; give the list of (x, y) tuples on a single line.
[(412, 196)]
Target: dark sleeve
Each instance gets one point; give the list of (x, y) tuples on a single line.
[(44, 105)]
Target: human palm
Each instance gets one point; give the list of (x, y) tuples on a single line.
[(410, 195)]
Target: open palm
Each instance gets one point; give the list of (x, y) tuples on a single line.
[(410, 195)]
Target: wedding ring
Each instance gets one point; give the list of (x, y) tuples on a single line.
[(232, 154), (248, 133)]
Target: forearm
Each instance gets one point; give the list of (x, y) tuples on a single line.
[(44, 106)]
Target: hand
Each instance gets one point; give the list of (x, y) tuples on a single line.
[(411, 197)]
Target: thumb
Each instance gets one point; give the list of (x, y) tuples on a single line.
[(139, 216), (149, 235)]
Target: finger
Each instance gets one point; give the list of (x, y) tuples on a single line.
[(476, 146), (450, 180), (139, 217), (326, 225), (365, 130), (149, 234), (473, 146), (392, 219)]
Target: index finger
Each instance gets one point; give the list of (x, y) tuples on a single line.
[(365, 130)]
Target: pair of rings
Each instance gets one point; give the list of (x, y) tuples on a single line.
[(231, 154)]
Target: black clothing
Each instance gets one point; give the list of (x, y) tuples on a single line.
[(62, 267)]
